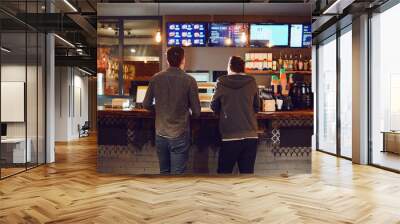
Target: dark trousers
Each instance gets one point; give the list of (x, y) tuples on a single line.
[(242, 152), (173, 153)]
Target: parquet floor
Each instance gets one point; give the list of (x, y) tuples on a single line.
[(71, 191)]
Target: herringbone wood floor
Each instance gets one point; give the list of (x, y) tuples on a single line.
[(71, 191)]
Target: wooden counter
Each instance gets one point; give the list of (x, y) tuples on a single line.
[(208, 114), (126, 142)]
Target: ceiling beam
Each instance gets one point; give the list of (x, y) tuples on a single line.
[(84, 24)]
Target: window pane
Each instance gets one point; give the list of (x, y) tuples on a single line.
[(41, 98), (346, 94), (385, 82), (32, 97), (14, 153), (327, 96)]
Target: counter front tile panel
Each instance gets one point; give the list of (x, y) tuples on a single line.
[(126, 143)]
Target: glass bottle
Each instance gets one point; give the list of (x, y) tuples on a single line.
[(280, 61), (300, 64), (295, 63)]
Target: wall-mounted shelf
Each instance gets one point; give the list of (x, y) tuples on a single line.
[(269, 72)]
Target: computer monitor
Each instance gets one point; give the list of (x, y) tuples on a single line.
[(141, 93), (3, 130)]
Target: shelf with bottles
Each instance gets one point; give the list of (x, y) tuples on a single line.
[(271, 72), (269, 63)]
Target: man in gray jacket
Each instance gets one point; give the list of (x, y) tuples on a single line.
[(175, 94), (236, 100)]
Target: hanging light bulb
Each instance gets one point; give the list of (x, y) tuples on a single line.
[(158, 36), (243, 37)]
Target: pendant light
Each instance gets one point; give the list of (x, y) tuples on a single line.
[(158, 34), (243, 35), (228, 41)]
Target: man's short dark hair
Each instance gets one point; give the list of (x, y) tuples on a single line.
[(236, 64), (175, 56)]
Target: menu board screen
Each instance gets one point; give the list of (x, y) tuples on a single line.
[(300, 35), (307, 36), (228, 34), (187, 34), (269, 35), (296, 35)]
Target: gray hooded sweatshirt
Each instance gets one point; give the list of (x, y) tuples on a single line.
[(236, 100)]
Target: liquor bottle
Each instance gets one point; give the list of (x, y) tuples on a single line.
[(280, 61), (295, 63), (274, 65), (290, 66), (297, 97), (285, 62), (300, 64), (309, 99), (306, 65)]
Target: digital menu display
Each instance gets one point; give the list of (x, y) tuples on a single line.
[(307, 36), (228, 34), (300, 35), (269, 35), (187, 34), (296, 35)]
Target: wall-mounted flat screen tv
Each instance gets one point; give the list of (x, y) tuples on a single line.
[(269, 35), (187, 34), (300, 35), (228, 34)]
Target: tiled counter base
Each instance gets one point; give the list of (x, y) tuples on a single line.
[(126, 145)]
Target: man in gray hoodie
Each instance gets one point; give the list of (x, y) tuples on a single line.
[(236, 100)]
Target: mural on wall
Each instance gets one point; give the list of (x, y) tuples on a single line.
[(108, 66)]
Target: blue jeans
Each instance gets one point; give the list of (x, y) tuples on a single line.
[(173, 153)]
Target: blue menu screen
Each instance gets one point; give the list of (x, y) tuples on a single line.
[(187, 34), (307, 36)]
